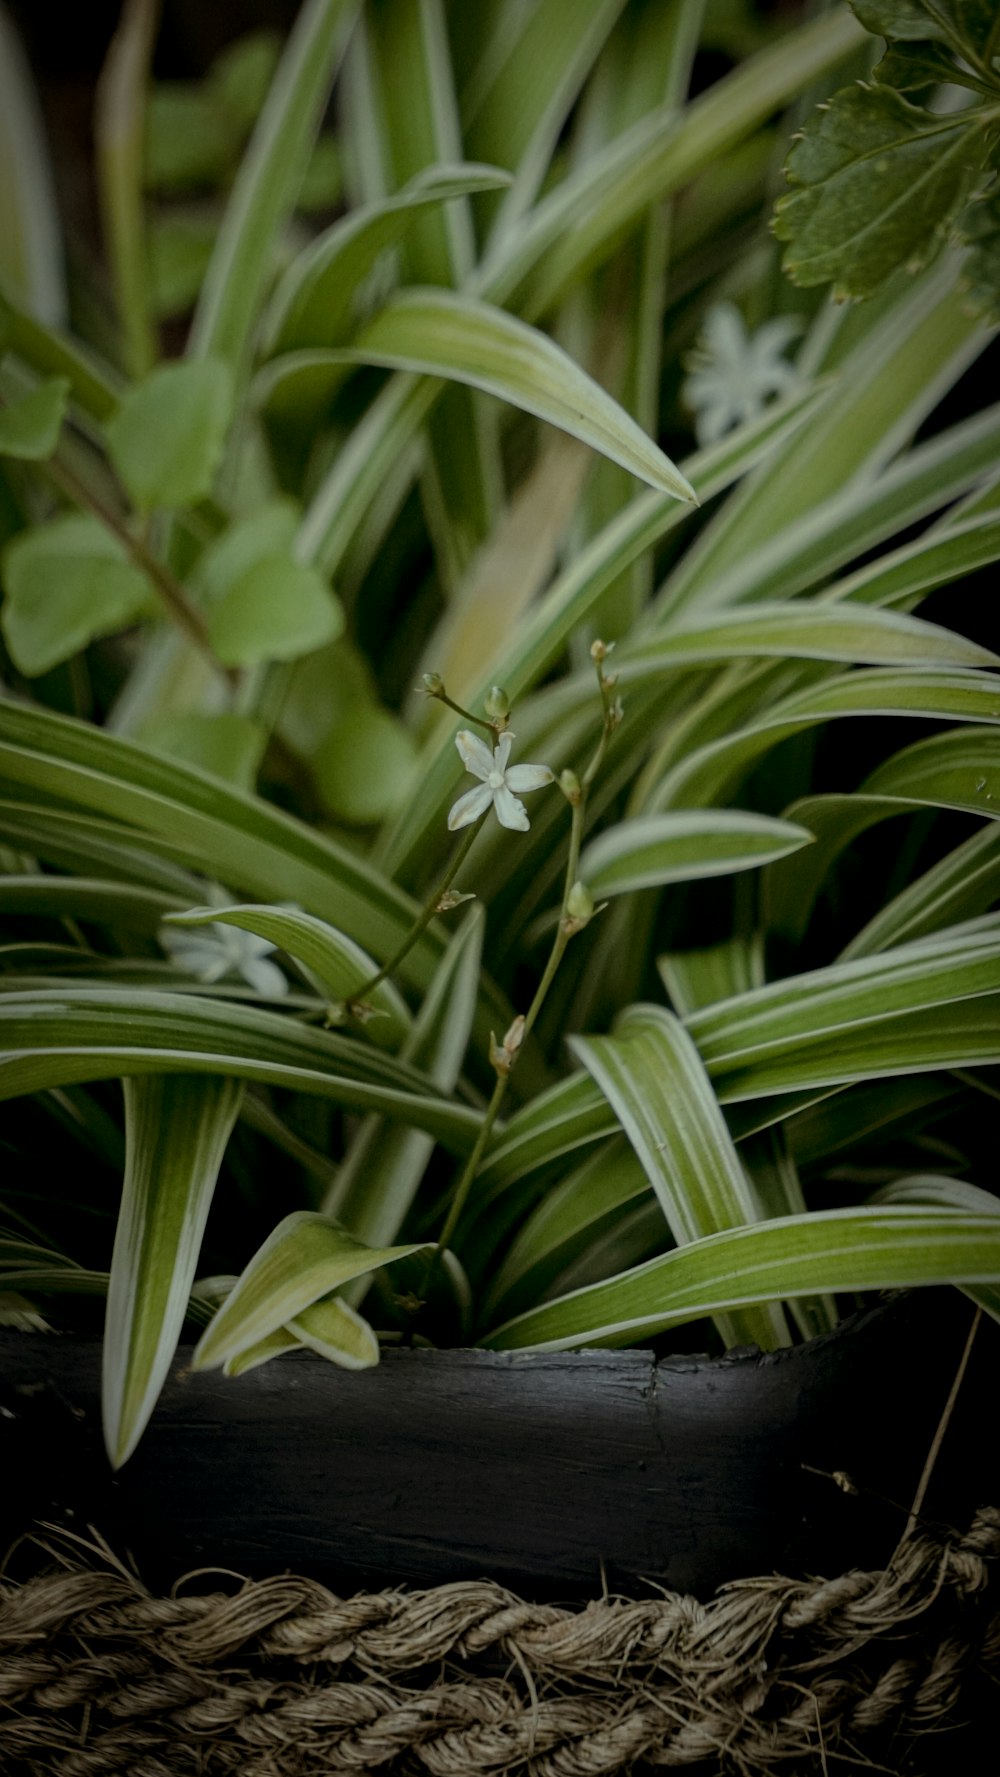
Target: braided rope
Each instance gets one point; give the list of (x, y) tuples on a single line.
[(284, 1679)]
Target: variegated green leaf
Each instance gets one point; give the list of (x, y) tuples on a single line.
[(684, 846), (306, 1257), (652, 1076), (340, 965), (827, 1251), (176, 1134)]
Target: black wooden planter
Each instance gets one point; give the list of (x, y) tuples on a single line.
[(540, 1470)]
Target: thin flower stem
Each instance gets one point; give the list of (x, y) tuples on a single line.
[(564, 932), (422, 921), (186, 616), (480, 721)]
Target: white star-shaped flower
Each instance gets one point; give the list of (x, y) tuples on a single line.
[(501, 783), (734, 373), (215, 951)]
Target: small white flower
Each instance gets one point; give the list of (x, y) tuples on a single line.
[(733, 373), (499, 780), (211, 952)]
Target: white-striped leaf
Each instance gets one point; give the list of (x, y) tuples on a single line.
[(176, 1131), (307, 1256), (340, 965), (654, 1079), (684, 846), (843, 1250)]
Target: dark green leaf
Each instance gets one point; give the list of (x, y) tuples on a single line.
[(876, 182)]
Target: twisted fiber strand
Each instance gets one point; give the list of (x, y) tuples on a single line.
[(96, 1677)]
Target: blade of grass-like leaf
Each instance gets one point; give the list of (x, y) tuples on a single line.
[(568, 604), (268, 181), (315, 302), (58, 1037), (904, 576), (846, 995), (813, 631), (305, 1258), (442, 333), (208, 825), (374, 1188), (955, 1194), (707, 773), (828, 1251), (961, 885), (958, 770), (176, 1134), (340, 965), (515, 108), (581, 1208), (106, 903), (119, 131), (887, 386), (586, 217), (684, 847), (336, 1331), (653, 1077), (416, 117), (30, 238), (845, 526), (695, 978), (616, 319)]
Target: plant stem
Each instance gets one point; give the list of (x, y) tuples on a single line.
[(186, 615), (422, 921), (564, 932)]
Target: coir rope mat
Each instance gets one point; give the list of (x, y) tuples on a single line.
[(281, 1678)]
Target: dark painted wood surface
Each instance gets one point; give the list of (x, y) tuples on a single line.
[(534, 1468)]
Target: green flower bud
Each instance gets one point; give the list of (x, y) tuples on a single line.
[(433, 684), (497, 704), (580, 902), (569, 784)]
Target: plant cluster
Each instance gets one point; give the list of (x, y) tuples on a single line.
[(701, 1033)]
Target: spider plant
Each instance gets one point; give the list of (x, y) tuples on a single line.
[(701, 1034)]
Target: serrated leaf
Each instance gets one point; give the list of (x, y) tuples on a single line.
[(875, 182), (920, 21), (916, 67), (30, 427), (337, 962), (277, 610), (167, 436), (684, 846), (306, 1257), (827, 1251), (176, 1133), (66, 582), (653, 1077)]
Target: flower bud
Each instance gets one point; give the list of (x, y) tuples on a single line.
[(599, 651), (433, 684), (580, 902), (569, 784), (497, 704)]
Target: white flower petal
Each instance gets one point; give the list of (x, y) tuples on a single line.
[(264, 977), (528, 777), (476, 757), (502, 749), (510, 812), (469, 807)]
